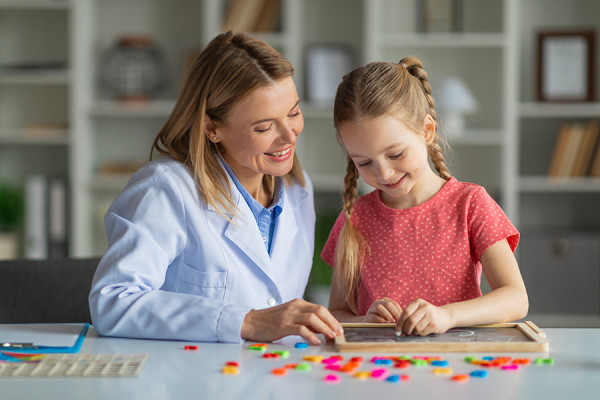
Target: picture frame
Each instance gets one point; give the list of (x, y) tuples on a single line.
[(508, 337), (325, 67), (439, 16), (566, 66)]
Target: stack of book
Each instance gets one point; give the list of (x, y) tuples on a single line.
[(576, 151), (252, 15)]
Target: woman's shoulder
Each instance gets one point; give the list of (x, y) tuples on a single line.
[(162, 169)]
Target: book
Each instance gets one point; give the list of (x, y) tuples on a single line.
[(242, 15), (576, 132), (558, 155), (269, 16), (594, 169), (586, 150)]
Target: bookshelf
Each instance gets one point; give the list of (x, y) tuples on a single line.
[(507, 145), (557, 215), (36, 83)]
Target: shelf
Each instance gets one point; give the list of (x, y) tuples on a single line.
[(35, 4), (544, 184), (150, 109), (444, 40), (105, 182), (35, 77), (478, 137), (559, 110), (20, 137)]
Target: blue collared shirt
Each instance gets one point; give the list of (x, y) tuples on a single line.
[(266, 218)]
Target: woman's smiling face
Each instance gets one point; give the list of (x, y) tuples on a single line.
[(259, 136)]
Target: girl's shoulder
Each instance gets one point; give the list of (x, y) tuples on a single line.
[(457, 190)]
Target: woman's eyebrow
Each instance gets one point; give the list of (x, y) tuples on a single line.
[(271, 119)]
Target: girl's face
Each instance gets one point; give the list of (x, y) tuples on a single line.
[(391, 157), (259, 136)]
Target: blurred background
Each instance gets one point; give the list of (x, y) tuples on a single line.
[(85, 86)]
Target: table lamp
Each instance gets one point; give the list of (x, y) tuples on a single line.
[(454, 101)]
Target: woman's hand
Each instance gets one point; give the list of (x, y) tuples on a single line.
[(383, 310), (423, 318), (296, 317)]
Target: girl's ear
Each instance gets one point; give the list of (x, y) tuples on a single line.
[(429, 129), (210, 129)]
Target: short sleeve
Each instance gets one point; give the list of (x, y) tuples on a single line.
[(489, 224), (328, 253)]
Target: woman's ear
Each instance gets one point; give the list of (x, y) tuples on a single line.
[(429, 129), (210, 129)]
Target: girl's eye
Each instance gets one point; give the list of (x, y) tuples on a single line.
[(363, 164), (396, 156), (294, 113)]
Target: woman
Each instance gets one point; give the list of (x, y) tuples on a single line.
[(213, 241)]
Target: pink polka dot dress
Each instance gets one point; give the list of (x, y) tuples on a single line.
[(430, 251)]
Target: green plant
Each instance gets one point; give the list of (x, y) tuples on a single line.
[(11, 207), (321, 272)]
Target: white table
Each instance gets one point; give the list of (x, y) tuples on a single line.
[(174, 373)]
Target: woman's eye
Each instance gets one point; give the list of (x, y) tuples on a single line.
[(295, 114), (395, 156), (262, 129), (363, 164)]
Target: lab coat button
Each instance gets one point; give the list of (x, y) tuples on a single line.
[(271, 301), (264, 239)]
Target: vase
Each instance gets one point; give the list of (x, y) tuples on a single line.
[(133, 69)]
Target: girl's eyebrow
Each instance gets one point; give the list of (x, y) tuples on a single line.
[(271, 119), (393, 145)]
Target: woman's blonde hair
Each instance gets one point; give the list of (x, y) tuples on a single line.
[(378, 89), (230, 68)]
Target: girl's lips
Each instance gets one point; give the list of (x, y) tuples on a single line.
[(395, 184)]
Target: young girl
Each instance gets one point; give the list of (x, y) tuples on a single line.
[(411, 252)]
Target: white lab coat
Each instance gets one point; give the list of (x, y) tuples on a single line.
[(176, 269)]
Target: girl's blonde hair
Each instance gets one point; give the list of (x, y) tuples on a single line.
[(230, 68), (378, 89)]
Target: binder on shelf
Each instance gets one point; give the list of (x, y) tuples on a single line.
[(57, 218), (36, 239), (46, 221)]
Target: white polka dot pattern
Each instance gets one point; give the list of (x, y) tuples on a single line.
[(430, 251)]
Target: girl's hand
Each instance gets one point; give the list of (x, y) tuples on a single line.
[(383, 311), (422, 318), (296, 317)]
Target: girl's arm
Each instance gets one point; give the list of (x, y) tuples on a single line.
[(506, 302), (384, 310)]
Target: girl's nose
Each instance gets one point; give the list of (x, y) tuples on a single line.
[(385, 171)]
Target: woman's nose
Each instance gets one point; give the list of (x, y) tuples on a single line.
[(289, 132)]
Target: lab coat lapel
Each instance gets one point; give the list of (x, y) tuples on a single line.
[(244, 233)]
